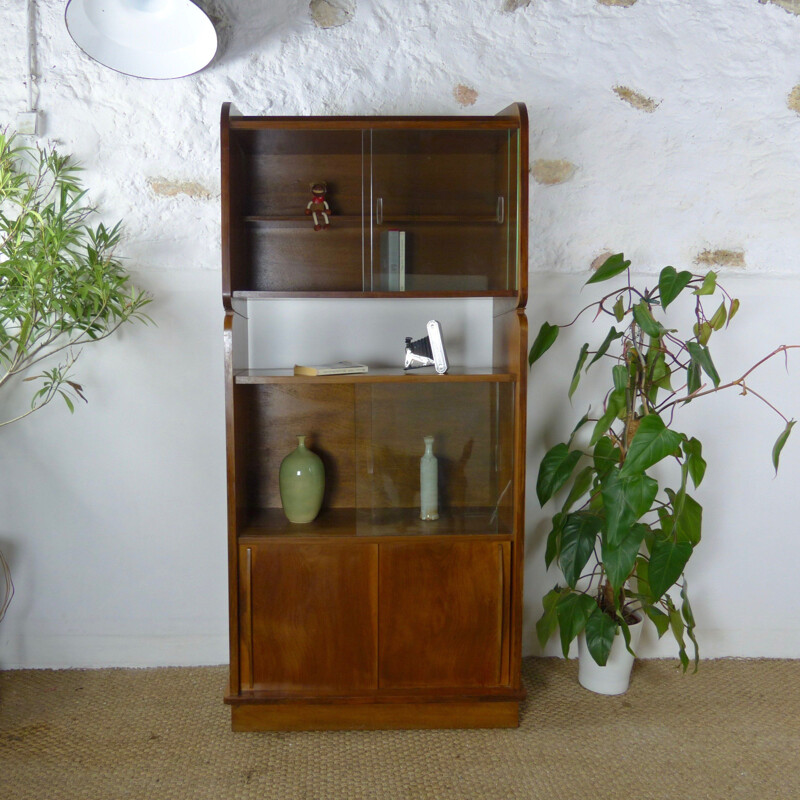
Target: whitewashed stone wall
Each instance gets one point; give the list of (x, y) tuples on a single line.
[(669, 129)]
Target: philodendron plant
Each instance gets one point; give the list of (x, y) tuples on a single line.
[(622, 537)]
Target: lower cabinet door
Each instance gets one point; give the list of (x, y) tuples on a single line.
[(443, 611), (308, 617)]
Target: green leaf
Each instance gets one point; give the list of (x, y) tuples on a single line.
[(606, 456), (676, 624), (612, 266), (709, 284), (693, 451), (733, 309), (701, 356), (644, 319), (625, 500), (667, 561), (702, 331), (652, 442), (611, 336), (573, 610), (692, 377), (619, 310), (577, 543), (620, 559), (555, 469), (548, 622), (688, 617), (600, 631), (581, 422), (619, 374), (780, 442), (720, 317), (616, 403), (581, 485), (659, 619), (576, 375), (671, 283), (688, 517), (544, 341), (553, 548)]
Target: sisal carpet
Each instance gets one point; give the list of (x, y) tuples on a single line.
[(731, 731)]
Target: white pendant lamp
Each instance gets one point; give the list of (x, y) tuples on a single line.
[(144, 38)]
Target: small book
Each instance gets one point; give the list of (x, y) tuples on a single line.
[(393, 261), (338, 368)]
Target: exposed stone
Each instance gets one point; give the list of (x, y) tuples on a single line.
[(465, 95), (794, 99), (635, 99), (552, 172), (721, 258), (623, 3), (792, 6), (332, 13), (168, 188), (510, 6), (600, 260)]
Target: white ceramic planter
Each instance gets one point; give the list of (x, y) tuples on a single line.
[(615, 676)]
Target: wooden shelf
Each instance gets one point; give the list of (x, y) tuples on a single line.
[(302, 219), (254, 294), (376, 375), (381, 524)]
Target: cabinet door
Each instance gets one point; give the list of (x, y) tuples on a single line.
[(453, 193), (444, 614), (309, 616)]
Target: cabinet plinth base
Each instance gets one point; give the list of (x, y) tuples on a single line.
[(373, 716)]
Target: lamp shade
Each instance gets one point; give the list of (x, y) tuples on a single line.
[(144, 38)]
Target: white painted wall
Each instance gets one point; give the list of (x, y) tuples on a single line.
[(114, 518)]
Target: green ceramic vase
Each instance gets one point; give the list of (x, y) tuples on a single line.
[(302, 483)]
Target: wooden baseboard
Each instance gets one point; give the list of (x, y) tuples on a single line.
[(374, 716)]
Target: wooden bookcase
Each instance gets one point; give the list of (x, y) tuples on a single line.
[(369, 617)]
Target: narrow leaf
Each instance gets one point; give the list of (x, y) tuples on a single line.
[(619, 309), (612, 334), (616, 403), (581, 485), (701, 356), (576, 375), (553, 548), (548, 622), (717, 322), (612, 266), (693, 451), (733, 309), (780, 442), (544, 341), (644, 319)]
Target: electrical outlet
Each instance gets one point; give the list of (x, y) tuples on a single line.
[(28, 123)]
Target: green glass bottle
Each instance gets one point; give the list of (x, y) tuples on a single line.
[(302, 483)]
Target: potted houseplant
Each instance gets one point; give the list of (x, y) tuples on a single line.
[(624, 531), (61, 286)]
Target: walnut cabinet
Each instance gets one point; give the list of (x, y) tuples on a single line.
[(369, 617)]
